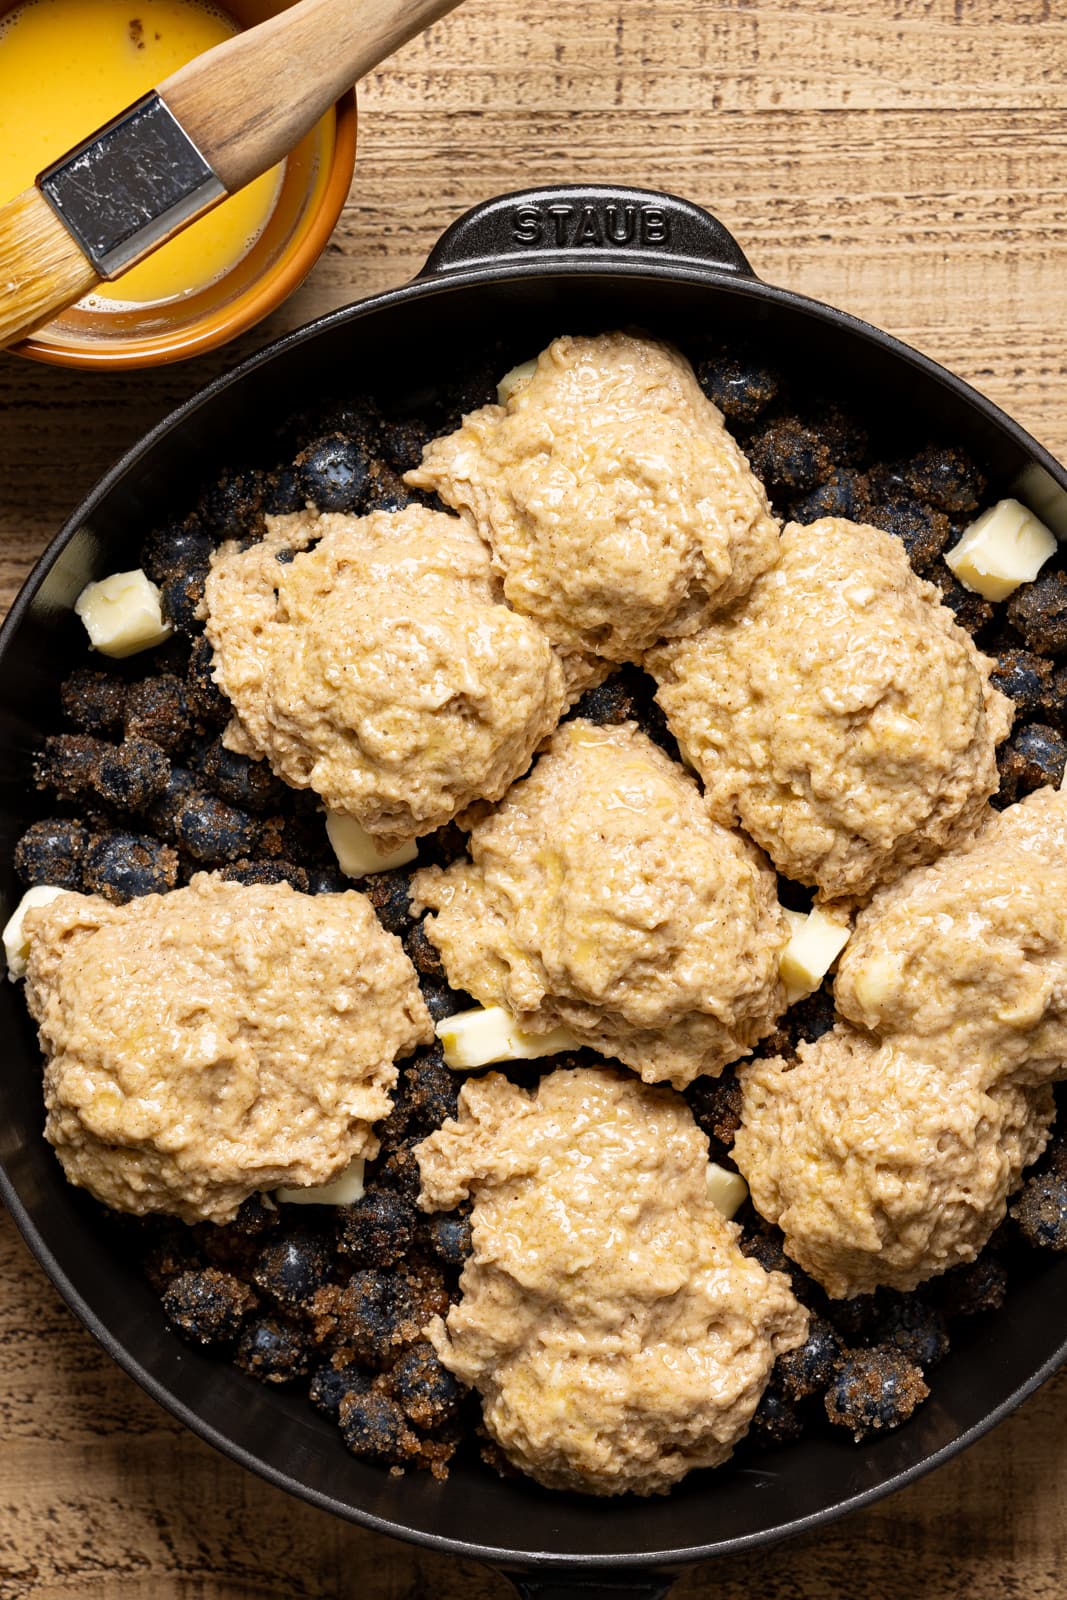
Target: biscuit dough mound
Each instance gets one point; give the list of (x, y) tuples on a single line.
[(838, 712), (880, 1165), (970, 953), (221, 1039), (602, 896), (887, 1155), (618, 507), (380, 668), (618, 1336)]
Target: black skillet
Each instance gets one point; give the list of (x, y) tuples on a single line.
[(525, 266)]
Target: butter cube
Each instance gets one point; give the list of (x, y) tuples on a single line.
[(1005, 547), (815, 942), (727, 1191), (357, 853), (344, 1190), (477, 1038), (16, 944), (122, 614), (517, 378)]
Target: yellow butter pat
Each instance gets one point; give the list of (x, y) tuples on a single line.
[(356, 851), (122, 614), (344, 1190), (815, 942), (16, 944), (477, 1038), (517, 378), (1006, 546), (727, 1191)]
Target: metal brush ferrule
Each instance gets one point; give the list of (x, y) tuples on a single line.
[(130, 186)]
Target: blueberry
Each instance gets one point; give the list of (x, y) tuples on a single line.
[(776, 1419), (1040, 1212), (874, 1390), (450, 1239), (330, 1385), (176, 548), (441, 1001), (426, 1390), (373, 1428), (272, 1351), (377, 1230), (810, 1368), (333, 473), (213, 832), (180, 600), (916, 1329), (292, 1270), (93, 701), (52, 852), (124, 866), (206, 1307)]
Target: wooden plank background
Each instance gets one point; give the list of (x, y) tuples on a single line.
[(905, 159)]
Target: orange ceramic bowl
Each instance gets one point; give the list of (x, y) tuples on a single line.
[(313, 190)]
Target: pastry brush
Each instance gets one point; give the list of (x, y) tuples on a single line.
[(203, 133)]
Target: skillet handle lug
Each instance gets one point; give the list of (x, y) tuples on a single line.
[(598, 1586), (582, 226)]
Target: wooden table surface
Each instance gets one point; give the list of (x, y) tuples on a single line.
[(905, 159)]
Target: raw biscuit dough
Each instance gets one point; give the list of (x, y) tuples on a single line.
[(380, 668), (618, 1336), (618, 507), (838, 712), (602, 896), (217, 1040), (888, 1153)]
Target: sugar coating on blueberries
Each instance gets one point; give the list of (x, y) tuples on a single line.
[(776, 1419), (209, 705), (292, 1270), (450, 1239), (809, 1369), (1034, 756), (1040, 1212), (207, 1307), (427, 1392), (211, 831), (741, 388), (181, 599), (95, 702), (273, 1351), (235, 778), (874, 1390), (945, 477), (373, 1427), (124, 866), (176, 548), (330, 1385), (1038, 612), (918, 1330), (377, 1230), (157, 710), (333, 473), (52, 851)]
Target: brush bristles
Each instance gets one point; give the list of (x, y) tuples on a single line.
[(42, 270)]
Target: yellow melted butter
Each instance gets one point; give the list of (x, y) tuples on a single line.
[(66, 67)]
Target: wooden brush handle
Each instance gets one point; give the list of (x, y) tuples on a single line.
[(249, 101)]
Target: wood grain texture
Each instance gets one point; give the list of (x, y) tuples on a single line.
[(905, 159)]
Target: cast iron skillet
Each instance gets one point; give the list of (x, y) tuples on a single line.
[(528, 265)]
